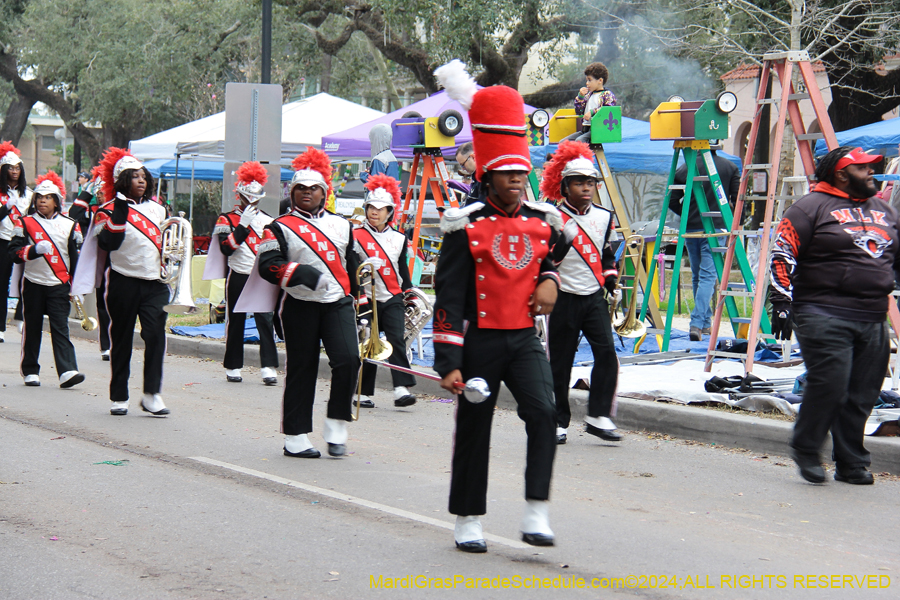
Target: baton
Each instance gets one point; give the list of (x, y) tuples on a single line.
[(476, 389)]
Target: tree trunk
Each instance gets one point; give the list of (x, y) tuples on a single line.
[(326, 73), (16, 119)]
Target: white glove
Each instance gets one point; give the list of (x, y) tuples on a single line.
[(376, 262), (248, 215), (570, 231), (43, 247)]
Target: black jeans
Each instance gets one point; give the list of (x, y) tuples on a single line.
[(234, 325), (306, 324), (392, 321), (516, 358), (571, 315), (846, 362), (53, 301)]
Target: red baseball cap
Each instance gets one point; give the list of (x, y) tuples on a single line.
[(857, 157)]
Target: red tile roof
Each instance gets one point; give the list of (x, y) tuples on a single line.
[(745, 71)]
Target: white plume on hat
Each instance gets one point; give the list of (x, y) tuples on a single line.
[(456, 80)]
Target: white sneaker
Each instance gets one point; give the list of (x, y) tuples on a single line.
[(233, 375), (468, 534), (70, 378), (32, 380), (119, 408), (153, 404), (536, 524), (269, 375)]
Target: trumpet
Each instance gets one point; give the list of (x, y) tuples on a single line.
[(87, 323), (370, 343), (175, 271), (628, 325)]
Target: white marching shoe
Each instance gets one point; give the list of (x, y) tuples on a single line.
[(402, 397), (536, 524), (603, 428), (269, 375), (2, 336), (336, 434), (365, 402), (299, 446), (468, 534), (560, 435), (70, 378), (233, 375), (32, 380), (119, 408), (104, 355), (153, 404)]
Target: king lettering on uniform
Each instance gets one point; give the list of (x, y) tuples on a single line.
[(491, 263), (590, 261)]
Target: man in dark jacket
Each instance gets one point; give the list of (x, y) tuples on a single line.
[(833, 269), (703, 269)]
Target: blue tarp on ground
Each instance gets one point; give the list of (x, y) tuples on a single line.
[(881, 137), (204, 170), (216, 331), (636, 153)]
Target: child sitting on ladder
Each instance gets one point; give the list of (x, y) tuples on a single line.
[(592, 98)]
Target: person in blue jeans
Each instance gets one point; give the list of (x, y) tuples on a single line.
[(703, 269)]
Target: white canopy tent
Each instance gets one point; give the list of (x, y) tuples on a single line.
[(303, 123)]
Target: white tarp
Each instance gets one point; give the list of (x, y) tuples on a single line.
[(303, 123)]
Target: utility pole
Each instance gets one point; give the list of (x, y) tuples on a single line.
[(266, 75)]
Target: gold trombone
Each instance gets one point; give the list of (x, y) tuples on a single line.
[(370, 343), (628, 325)]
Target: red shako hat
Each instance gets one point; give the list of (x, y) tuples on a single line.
[(497, 115), (251, 179), (570, 158), (384, 191)]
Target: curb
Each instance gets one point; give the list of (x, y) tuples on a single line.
[(686, 422)]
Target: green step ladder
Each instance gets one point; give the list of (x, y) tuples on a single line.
[(693, 192)]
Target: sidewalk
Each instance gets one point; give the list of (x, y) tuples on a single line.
[(703, 425)]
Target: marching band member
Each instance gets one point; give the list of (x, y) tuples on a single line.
[(495, 274), (239, 233), (128, 228), (309, 255), (82, 212), (15, 199), (588, 268), (47, 242), (376, 239)]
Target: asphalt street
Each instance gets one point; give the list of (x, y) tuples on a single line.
[(202, 504)]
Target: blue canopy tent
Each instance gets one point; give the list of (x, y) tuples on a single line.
[(882, 137), (201, 170), (636, 153)]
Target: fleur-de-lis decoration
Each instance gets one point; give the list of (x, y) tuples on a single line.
[(610, 122)]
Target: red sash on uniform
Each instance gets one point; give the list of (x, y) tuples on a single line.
[(54, 259), (252, 240), (584, 246), (321, 245), (373, 249), (146, 226)]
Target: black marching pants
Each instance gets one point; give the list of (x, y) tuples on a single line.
[(102, 316), (53, 301), (392, 321), (571, 315), (516, 358), (306, 324), (6, 267), (846, 363), (127, 299), (234, 327)]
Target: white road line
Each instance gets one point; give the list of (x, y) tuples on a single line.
[(397, 512)]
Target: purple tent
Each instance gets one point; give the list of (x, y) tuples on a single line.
[(354, 142)]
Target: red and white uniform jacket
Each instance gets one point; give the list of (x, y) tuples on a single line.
[(590, 260), (131, 233), (240, 244), (11, 211), (836, 256), (55, 267), (490, 264), (310, 257), (390, 246)]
